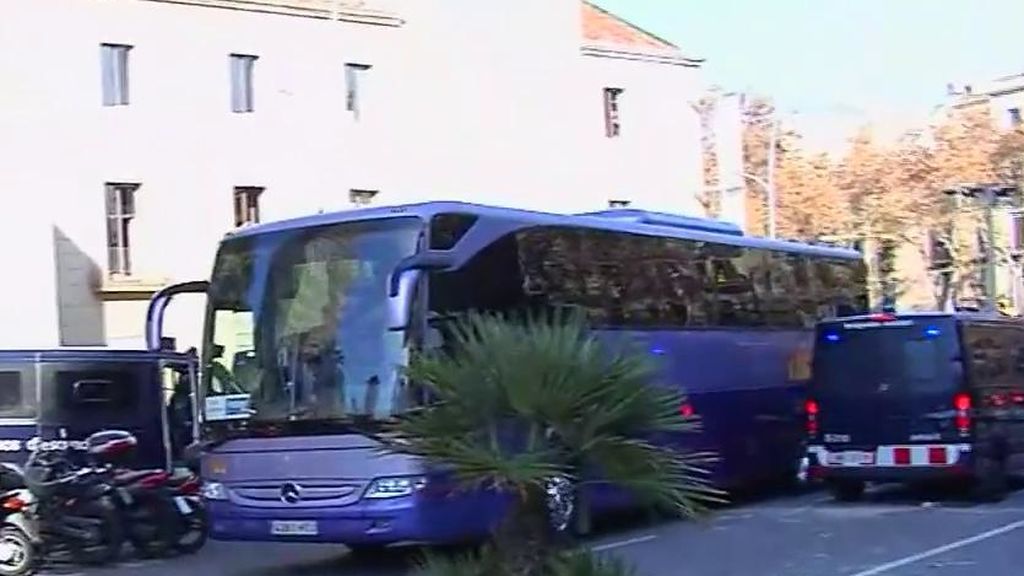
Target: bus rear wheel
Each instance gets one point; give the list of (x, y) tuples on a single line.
[(847, 490)]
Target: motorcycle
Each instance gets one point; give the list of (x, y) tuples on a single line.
[(162, 512), (140, 497), (71, 509), (19, 542), (192, 526)]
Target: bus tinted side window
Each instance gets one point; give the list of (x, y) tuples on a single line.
[(841, 287), (787, 295), (448, 228), (17, 394), (489, 282), (991, 353), (739, 278), (617, 280), (633, 281)]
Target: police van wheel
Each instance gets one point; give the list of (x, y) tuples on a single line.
[(847, 490), (990, 480)]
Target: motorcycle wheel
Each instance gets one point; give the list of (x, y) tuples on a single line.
[(18, 556), (151, 528), (110, 535), (194, 529)]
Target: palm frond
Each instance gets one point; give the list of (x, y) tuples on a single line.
[(657, 475), (483, 562), (518, 401), (475, 465)]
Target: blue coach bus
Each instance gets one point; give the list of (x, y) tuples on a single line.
[(309, 319)]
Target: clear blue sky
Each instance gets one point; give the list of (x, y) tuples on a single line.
[(841, 55)]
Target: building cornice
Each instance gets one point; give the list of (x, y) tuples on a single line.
[(655, 57), (128, 287), (356, 11)]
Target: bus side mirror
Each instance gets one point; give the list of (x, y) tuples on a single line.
[(402, 284), (400, 299), (421, 261)]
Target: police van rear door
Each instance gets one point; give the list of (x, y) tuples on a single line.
[(887, 380), (83, 396)]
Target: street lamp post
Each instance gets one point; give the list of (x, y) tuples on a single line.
[(769, 189), (770, 185)]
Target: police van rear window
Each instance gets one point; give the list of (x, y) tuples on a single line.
[(100, 389), (908, 355)]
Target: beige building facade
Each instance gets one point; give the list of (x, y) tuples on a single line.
[(137, 132)]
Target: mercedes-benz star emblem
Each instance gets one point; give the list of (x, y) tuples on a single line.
[(291, 493)]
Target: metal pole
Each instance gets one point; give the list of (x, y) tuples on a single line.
[(771, 177), (990, 252)]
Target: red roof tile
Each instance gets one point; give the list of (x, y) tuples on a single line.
[(603, 27)]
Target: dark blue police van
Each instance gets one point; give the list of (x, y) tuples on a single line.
[(917, 397), (53, 399)]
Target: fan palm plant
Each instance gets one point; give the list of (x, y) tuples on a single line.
[(519, 403)]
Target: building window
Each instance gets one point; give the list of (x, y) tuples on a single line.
[(353, 75), (361, 197), (114, 69), (619, 203), (247, 205), (120, 200), (242, 97), (940, 257), (612, 127), (1017, 232), (1015, 118)]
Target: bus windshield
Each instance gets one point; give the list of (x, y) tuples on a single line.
[(297, 324)]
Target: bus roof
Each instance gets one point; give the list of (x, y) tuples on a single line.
[(960, 315), (86, 354), (625, 221)]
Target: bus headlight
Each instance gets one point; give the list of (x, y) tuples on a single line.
[(214, 491), (396, 487)]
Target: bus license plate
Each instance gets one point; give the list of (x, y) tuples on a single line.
[(851, 458), (294, 528)]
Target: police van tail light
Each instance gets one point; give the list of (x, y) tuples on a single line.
[(811, 410), (962, 418), (14, 504)]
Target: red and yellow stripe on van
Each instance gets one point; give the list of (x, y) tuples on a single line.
[(895, 456)]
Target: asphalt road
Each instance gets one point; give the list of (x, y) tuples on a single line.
[(892, 533)]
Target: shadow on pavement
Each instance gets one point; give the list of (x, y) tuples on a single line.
[(945, 495), (388, 562)]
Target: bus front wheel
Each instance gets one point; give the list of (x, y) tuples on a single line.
[(367, 551)]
